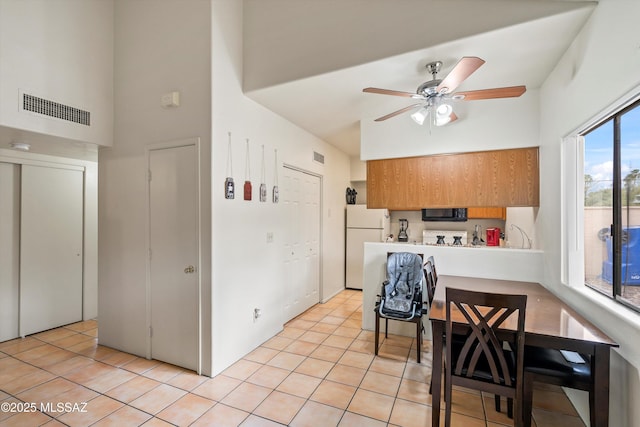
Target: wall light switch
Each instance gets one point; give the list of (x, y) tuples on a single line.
[(270, 237), (170, 99)]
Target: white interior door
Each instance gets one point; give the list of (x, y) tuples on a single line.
[(174, 255), (9, 250), (301, 196), (50, 248)]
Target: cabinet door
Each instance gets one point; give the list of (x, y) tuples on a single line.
[(9, 250), (500, 213), (50, 248)]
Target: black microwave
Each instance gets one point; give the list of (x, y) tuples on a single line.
[(455, 214)]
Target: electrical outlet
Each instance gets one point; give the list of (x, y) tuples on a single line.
[(256, 314), (269, 236)]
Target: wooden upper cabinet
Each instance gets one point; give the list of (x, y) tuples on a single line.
[(481, 179), (478, 213)]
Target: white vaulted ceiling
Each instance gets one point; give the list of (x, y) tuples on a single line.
[(308, 60)]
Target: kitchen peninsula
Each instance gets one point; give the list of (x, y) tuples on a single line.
[(480, 261)]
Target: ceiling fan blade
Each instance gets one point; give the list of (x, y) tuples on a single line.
[(395, 113), (463, 69), (500, 92), (391, 92)]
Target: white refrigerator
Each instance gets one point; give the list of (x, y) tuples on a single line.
[(363, 225)]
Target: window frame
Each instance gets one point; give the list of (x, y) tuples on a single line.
[(617, 208)]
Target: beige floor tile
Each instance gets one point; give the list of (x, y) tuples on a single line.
[(311, 316), (140, 365), (187, 380), (314, 337), (333, 394), (553, 401), (221, 416), (330, 354), (314, 414), (89, 373), (370, 404), (399, 341), (314, 367), (75, 395), (352, 323), (133, 389), (299, 385), (217, 388), (157, 422), (461, 420), (119, 359), (277, 342), (418, 372), (109, 380), (54, 334), (302, 348), (25, 419), (50, 359), (73, 340), (490, 410), (381, 383), (36, 353), (95, 410), (346, 375), (300, 324), (163, 372), (388, 366), (157, 399), (246, 397), (242, 369), (362, 346), (86, 348), (333, 320), (291, 333), (25, 382), (69, 365), (345, 331), (19, 345), (410, 414), (394, 352), (323, 328), (280, 407), (83, 326), (268, 376), (285, 360), (256, 421), (261, 355), (355, 420), (125, 416), (337, 341), (46, 391), (415, 391), (467, 404), (356, 359), (186, 410)]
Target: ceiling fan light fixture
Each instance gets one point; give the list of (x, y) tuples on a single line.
[(420, 115)]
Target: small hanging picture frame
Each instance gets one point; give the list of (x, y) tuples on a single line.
[(247, 176), (229, 186), (263, 186), (276, 192)]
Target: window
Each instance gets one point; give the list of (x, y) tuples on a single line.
[(612, 206)]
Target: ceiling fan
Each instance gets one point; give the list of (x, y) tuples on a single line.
[(435, 94)]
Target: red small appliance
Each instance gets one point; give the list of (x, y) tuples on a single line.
[(493, 236)]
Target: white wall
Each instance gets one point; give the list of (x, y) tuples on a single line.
[(62, 51), (247, 271), (159, 47), (579, 89)]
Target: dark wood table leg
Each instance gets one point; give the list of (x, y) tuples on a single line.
[(436, 371), (599, 404)]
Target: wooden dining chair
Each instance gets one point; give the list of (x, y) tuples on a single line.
[(491, 358), (550, 366)]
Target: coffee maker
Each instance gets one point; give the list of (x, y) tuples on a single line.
[(402, 235)]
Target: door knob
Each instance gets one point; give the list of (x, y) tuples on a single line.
[(190, 269)]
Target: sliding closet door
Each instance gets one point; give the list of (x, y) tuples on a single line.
[(9, 249), (50, 248)]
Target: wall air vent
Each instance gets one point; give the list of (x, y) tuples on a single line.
[(55, 109), (317, 157)]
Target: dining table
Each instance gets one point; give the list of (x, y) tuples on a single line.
[(549, 323)]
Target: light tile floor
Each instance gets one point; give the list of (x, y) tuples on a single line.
[(319, 371)]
